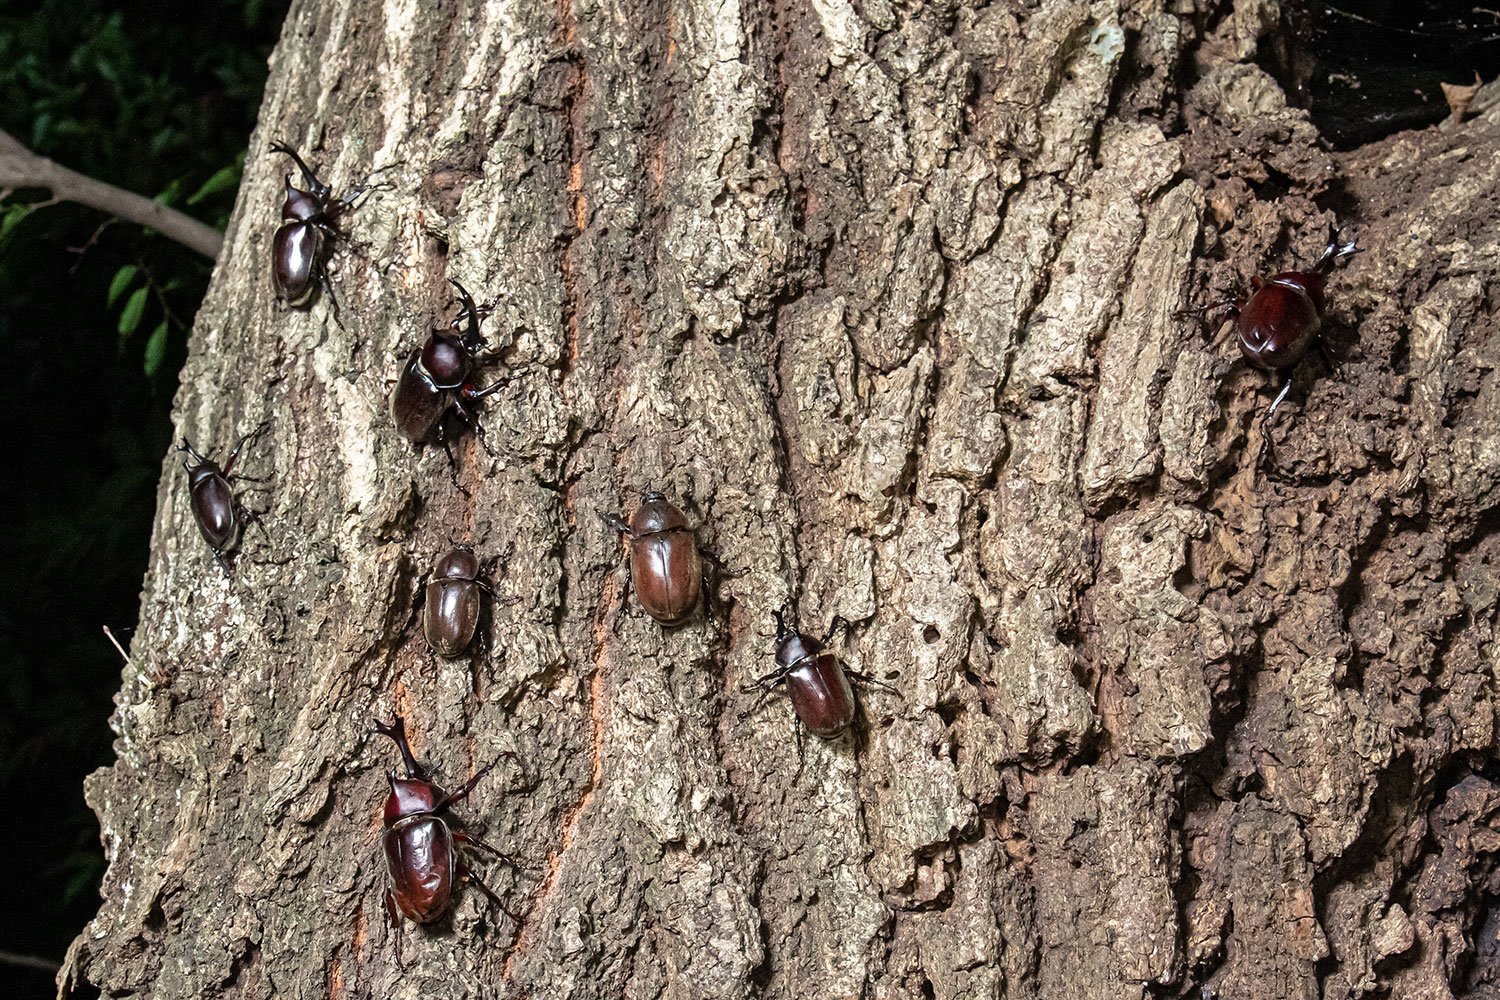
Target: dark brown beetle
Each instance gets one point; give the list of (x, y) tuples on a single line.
[(452, 611), (815, 680), (421, 852), (219, 515), (299, 251), (436, 379), (666, 564)]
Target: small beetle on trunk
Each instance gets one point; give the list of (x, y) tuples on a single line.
[(421, 851), (452, 606), (435, 382), (299, 251), (815, 680), (1282, 319), (220, 517), (666, 564)]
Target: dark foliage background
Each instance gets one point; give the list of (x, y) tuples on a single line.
[(160, 98)]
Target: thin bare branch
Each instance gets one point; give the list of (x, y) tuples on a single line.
[(21, 168)]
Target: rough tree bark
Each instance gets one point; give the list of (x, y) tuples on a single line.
[(887, 293)]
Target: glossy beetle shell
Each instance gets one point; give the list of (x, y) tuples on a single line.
[(417, 404), (452, 608), (665, 566), (1282, 320), (295, 254), (213, 506), (820, 692), (420, 856)]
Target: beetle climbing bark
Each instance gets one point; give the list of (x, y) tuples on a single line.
[(886, 295)]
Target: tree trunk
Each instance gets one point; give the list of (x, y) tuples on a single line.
[(887, 296)]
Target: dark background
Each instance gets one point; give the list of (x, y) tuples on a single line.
[(160, 98)]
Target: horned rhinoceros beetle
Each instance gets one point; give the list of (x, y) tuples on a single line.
[(421, 850), (436, 380), (299, 251), (666, 564), (452, 601), (816, 682), (220, 517)]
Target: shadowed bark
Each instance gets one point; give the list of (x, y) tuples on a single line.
[(888, 297)]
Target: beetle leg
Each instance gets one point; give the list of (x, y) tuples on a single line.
[(1280, 396), (234, 453), (333, 300), (869, 680), (492, 388), (468, 875), (839, 622), (1328, 358), (223, 563), (393, 923), (473, 841), (616, 522), (462, 793)]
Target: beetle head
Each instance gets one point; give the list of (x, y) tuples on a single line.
[(410, 797), (459, 563), (446, 360), (792, 645)]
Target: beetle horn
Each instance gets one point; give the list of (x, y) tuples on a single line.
[(782, 632)]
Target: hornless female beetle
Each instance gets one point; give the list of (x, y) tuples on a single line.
[(299, 252), (435, 380), (452, 610), (816, 682), (219, 515), (1283, 317), (421, 852), (666, 564)]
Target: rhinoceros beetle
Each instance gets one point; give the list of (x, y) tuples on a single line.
[(421, 850), (299, 251), (453, 602), (816, 682), (220, 517), (437, 379), (1282, 319)]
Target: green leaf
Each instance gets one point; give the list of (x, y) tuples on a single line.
[(156, 348), (223, 180), (13, 215), (130, 316), (121, 281)]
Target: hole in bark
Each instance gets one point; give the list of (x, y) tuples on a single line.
[(931, 635), (1365, 69)]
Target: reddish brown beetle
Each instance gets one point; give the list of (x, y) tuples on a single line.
[(1283, 317), (220, 517), (666, 564), (452, 605), (421, 852), (815, 680), (436, 379)]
